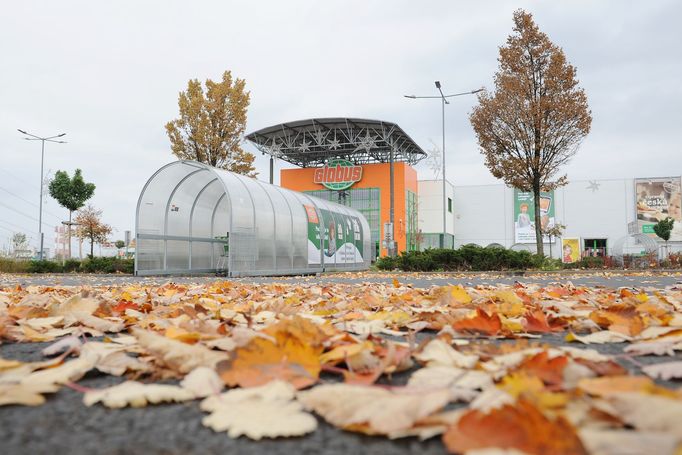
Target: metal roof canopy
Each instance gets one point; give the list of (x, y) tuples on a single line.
[(311, 142)]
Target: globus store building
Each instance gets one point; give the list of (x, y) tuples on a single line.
[(363, 164)]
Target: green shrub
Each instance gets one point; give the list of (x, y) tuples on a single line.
[(107, 265), (71, 265), (386, 263), (590, 262), (45, 266), (467, 257), (10, 265)]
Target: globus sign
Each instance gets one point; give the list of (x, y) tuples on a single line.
[(338, 174)]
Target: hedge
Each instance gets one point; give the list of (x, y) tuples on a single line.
[(94, 265), (468, 257)]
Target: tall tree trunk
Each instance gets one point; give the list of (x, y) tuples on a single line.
[(92, 248), (538, 218)]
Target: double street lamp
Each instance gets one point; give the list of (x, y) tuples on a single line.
[(33, 137), (444, 101)]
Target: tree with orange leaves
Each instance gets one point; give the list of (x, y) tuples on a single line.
[(537, 116), (90, 226)]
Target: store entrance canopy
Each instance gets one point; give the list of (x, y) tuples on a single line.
[(193, 218)]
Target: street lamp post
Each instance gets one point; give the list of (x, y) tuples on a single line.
[(33, 137), (444, 101)]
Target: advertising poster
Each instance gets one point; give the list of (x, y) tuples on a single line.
[(570, 250), (340, 241), (524, 215), (657, 199)]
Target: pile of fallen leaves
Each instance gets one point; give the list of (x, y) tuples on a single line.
[(481, 373)]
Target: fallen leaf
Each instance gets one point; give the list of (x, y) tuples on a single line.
[(267, 411), (480, 323), (25, 394), (522, 427), (202, 382), (136, 395), (438, 352), (664, 371), (292, 357), (372, 409), (177, 355), (627, 442), (605, 336), (649, 412)]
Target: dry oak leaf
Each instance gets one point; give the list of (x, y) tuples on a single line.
[(267, 411), (371, 409), (293, 356), (136, 395), (605, 336), (203, 382), (480, 323), (649, 412), (177, 355), (665, 371), (438, 352), (626, 442), (522, 427), (25, 394)]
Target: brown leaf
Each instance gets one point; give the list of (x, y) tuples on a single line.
[(293, 356), (522, 427)]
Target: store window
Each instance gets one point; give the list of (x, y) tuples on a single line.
[(450, 205), (594, 247)]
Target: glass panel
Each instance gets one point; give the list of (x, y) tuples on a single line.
[(203, 209), (149, 254), (201, 255), (177, 255), (300, 228), (182, 200), (265, 224), (151, 215), (283, 233)]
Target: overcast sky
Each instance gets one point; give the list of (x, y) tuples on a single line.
[(108, 74)]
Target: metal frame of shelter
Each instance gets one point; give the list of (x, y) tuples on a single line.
[(192, 218), (311, 142)]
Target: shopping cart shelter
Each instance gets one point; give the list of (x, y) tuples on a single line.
[(193, 218)]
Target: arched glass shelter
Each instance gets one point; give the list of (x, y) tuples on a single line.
[(193, 218)]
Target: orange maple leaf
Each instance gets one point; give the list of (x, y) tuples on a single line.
[(621, 318), (293, 356), (550, 371), (481, 323), (521, 427)]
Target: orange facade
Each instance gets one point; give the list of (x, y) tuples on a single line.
[(373, 176)]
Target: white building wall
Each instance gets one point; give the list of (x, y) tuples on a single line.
[(431, 206), (484, 214)]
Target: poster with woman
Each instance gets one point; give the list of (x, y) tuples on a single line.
[(570, 250), (524, 215)]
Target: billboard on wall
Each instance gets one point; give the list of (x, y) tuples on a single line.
[(570, 250), (337, 236), (657, 199), (524, 215)]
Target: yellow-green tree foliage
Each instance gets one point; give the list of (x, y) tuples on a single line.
[(211, 125), (537, 116)]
